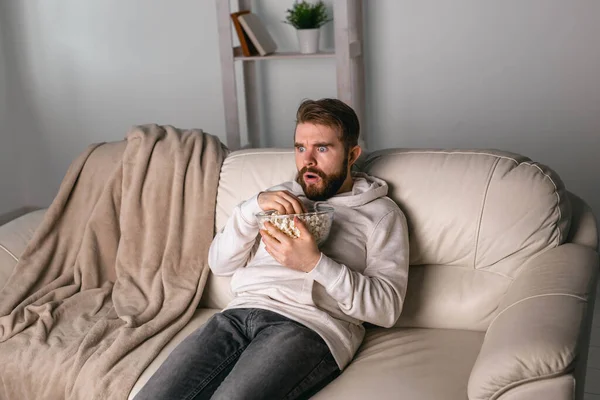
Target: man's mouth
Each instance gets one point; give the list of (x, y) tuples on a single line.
[(311, 178)]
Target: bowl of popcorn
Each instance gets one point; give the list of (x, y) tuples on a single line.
[(318, 221)]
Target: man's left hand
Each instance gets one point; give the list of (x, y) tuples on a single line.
[(301, 253)]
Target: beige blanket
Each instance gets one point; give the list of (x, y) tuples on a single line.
[(115, 270)]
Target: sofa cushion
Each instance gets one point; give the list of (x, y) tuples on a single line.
[(243, 174), (474, 218), (488, 210), (246, 172), (451, 297), (390, 364), (396, 363)]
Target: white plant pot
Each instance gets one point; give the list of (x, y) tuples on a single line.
[(308, 39)]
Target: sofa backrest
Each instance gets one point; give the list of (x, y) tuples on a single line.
[(243, 174), (489, 210), (474, 217)]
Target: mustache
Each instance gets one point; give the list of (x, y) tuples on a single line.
[(312, 171)]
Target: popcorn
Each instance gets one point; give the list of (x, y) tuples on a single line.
[(318, 223)]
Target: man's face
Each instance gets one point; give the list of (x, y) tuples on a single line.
[(321, 160)]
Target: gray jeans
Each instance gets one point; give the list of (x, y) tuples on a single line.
[(245, 354)]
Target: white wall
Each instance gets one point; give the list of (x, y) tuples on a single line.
[(283, 84), (513, 75), (25, 157), (95, 68), (10, 194), (517, 75)]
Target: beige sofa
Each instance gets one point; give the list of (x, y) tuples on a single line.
[(503, 275)]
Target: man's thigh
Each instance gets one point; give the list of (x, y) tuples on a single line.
[(199, 363), (284, 360)]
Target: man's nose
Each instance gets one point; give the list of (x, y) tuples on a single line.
[(309, 159)]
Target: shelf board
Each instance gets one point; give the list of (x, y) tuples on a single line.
[(282, 55)]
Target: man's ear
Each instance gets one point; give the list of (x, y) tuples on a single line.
[(355, 152)]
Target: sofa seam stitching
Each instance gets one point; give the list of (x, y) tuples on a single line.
[(485, 193), (515, 384), (560, 233), (530, 298), (449, 153), (260, 153), (557, 206), (9, 253)]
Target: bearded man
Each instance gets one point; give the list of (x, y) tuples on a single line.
[(297, 317)]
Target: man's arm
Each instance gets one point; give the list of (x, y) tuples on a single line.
[(377, 295), (232, 246)]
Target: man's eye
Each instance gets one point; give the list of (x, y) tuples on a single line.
[(300, 149), (322, 149)]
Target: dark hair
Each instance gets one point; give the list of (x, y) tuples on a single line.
[(333, 113)]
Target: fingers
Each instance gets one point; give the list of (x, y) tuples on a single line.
[(270, 249), (290, 203), (278, 207), (271, 245), (284, 206), (300, 224), (304, 232), (275, 233), (297, 205), (283, 202), (268, 239)]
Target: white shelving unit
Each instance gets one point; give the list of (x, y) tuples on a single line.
[(348, 33)]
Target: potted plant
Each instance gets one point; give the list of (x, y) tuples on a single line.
[(307, 18)]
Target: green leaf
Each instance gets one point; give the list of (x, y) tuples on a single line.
[(305, 15)]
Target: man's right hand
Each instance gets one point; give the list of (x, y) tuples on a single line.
[(281, 201)]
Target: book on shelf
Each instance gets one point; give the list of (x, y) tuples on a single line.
[(258, 33), (248, 48)]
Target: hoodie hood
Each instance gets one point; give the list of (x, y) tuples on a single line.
[(366, 188)]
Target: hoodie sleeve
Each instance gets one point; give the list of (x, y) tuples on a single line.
[(376, 295), (231, 247)]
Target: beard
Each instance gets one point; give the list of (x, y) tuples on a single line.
[(327, 187)]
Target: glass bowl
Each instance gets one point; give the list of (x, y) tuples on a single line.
[(317, 221)]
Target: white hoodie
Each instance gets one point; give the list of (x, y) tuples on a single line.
[(361, 276)]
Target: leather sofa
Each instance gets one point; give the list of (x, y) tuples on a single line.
[(502, 284)]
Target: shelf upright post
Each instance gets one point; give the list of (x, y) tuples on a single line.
[(251, 89), (347, 19), (230, 102), (348, 27)]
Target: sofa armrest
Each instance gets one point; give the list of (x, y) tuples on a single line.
[(539, 331), (14, 237)]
